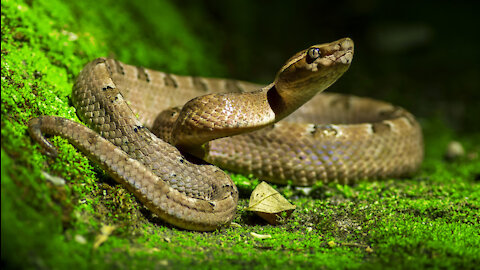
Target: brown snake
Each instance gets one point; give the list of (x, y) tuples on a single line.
[(352, 138)]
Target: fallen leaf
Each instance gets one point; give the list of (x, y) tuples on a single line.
[(269, 204), (260, 236), (105, 232)]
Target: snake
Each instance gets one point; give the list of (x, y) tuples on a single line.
[(165, 136)]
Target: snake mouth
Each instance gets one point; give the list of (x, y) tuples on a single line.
[(345, 57), (338, 52)]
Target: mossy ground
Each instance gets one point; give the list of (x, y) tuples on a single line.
[(431, 220)]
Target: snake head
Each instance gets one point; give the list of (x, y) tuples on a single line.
[(313, 70)]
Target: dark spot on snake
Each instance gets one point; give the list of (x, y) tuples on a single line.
[(169, 81), (60, 120), (199, 84), (107, 87), (394, 112), (380, 127), (114, 99), (232, 86), (119, 67), (343, 101), (410, 119), (108, 66), (397, 112), (275, 100), (99, 60), (384, 113), (182, 160), (212, 204), (92, 138), (324, 130), (142, 74)]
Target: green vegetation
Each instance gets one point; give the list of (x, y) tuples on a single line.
[(431, 220)]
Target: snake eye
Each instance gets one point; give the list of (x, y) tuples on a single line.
[(312, 55)]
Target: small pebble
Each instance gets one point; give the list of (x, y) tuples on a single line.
[(57, 181), (80, 239), (305, 190), (454, 150)]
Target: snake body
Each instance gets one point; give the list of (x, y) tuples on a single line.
[(234, 125)]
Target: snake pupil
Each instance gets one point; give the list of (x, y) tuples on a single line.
[(312, 55)]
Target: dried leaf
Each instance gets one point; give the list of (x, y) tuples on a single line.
[(260, 236), (235, 225), (105, 232), (269, 204), (80, 239)]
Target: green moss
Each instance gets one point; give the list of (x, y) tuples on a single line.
[(430, 220)]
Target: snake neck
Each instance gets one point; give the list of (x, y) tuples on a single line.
[(304, 75), (284, 100), (281, 106)]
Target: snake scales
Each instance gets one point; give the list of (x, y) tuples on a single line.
[(352, 138)]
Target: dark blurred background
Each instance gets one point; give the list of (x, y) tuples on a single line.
[(422, 55)]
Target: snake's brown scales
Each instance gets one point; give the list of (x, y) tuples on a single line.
[(352, 138)]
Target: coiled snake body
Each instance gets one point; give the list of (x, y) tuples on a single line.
[(332, 137)]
